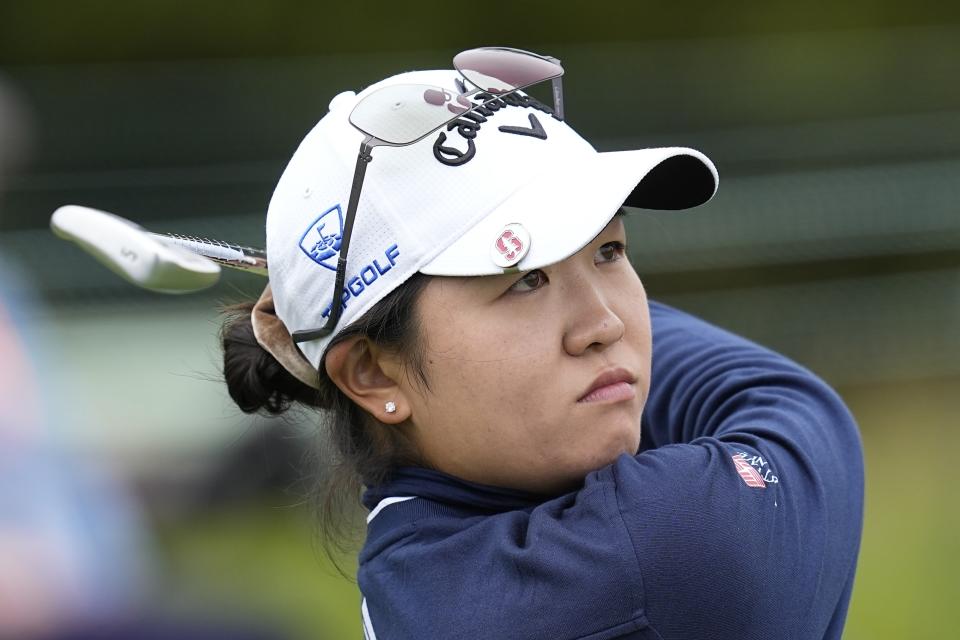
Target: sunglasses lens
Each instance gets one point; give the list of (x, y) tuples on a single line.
[(400, 114), (500, 70)]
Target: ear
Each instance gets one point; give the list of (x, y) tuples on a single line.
[(360, 369)]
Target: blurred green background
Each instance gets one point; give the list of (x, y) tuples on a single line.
[(834, 238)]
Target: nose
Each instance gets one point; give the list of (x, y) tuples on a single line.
[(592, 322)]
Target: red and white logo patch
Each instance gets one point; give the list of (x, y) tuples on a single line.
[(747, 473), (511, 245)]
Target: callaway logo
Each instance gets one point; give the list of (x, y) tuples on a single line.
[(468, 125), (321, 240)]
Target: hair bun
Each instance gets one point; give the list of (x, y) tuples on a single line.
[(255, 380)]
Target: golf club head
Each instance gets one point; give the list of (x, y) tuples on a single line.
[(132, 252)]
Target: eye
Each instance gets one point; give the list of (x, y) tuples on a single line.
[(531, 281), (611, 251)]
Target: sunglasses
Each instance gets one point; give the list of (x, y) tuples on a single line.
[(400, 115)]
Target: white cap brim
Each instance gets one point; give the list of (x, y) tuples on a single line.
[(566, 206)]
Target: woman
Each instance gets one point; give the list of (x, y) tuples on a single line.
[(544, 453)]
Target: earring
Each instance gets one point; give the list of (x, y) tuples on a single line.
[(390, 407)]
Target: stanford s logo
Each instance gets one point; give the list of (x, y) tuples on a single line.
[(509, 245), (321, 241)]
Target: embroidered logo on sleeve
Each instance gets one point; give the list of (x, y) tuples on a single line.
[(747, 473), (749, 468)]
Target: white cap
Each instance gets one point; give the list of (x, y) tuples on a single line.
[(518, 191)]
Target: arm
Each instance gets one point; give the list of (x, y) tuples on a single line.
[(745, 502)]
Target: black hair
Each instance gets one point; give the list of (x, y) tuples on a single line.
[(365, 452)]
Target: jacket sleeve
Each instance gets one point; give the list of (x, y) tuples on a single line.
[(744, 504)]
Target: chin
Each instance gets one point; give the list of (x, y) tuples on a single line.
[(601, 450), (624, 441), (575, 475)]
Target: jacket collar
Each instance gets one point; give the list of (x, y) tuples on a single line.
[(450, 490)]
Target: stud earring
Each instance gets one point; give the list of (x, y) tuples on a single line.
[(390, 407)]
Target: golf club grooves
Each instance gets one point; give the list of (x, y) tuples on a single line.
[(224, 253)]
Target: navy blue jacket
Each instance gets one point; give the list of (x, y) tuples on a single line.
[(739, 518)]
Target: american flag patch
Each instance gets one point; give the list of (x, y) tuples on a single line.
[(748, 473)]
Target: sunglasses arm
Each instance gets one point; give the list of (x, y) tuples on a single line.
[(557, 89), (558, 98), (336, 308)]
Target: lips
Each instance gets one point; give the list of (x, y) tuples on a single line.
[(609, 377)]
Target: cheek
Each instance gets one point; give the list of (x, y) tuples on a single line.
[(488, 378), (481, 352), (489, 401), (637, 331)]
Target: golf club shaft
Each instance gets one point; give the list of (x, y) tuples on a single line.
[(223, 253)]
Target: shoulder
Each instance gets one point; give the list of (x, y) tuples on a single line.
[(563, 569)]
